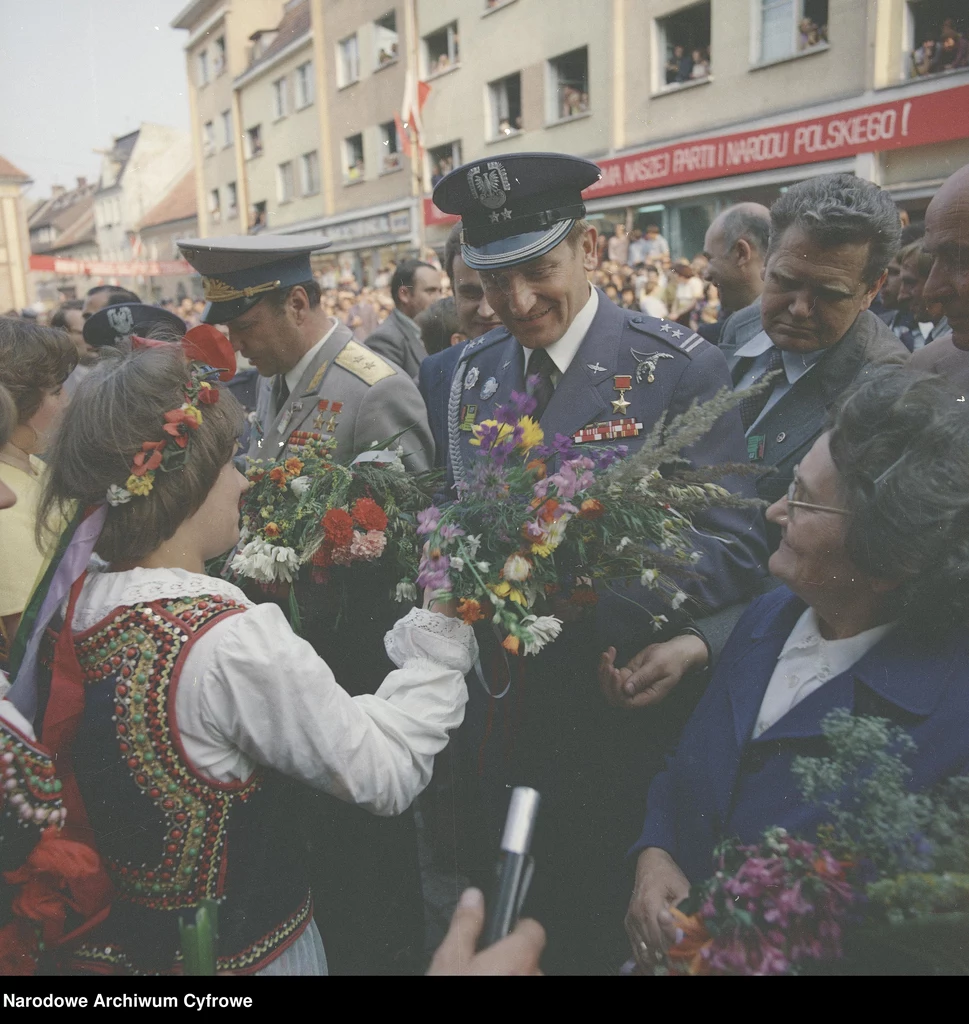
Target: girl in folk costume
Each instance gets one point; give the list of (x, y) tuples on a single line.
[(176, 704)]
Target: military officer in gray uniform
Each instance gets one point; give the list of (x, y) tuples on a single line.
[(316, 381), (601, 376)]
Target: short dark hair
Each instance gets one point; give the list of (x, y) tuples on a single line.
[(900, 443), (743, 221), (438, 323), (58, 320), (118, 406), (278, 296), (33, 359), (404, 276), (452, 249), (116, 295), (8, 416), (836, 209)]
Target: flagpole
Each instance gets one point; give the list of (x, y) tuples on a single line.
[(417, 151)]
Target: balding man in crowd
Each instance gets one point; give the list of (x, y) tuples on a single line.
[(947, 242), (736, 247), (831, 240)]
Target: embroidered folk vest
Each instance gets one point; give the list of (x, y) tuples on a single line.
[(169, 836)]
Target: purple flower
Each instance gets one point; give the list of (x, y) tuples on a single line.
[(433, 573), (518, 405), (449, 531), (487, 433), (427, 520)]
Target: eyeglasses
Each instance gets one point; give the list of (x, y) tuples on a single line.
[(792, 503)]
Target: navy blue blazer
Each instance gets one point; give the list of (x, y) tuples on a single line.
[(721, 783), (685, 368)]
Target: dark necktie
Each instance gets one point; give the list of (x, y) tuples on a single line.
[(280, 394), (751, 408), (539, 380)]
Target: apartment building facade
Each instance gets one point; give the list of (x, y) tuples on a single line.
[(687, 106), (14, 244)]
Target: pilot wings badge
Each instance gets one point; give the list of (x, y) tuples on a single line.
[(489, 186), (646, 364), (121, 320)]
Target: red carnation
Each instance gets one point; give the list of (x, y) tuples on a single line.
[(143, 462), (368, 515), (208, 396), (338, 527)]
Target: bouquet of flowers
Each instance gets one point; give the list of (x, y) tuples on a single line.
[(310, 515), (885, 888), (538, 526)]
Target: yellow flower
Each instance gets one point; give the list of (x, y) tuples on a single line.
[(193, 412), (504, 431), (140, 485), (542, 550), (504, 589), (533, 433)]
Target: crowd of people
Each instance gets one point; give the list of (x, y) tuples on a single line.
[(843, 582), (945, 50)]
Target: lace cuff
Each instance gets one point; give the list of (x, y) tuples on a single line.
[(433, 637)]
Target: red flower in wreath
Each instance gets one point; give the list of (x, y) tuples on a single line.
[(278, 477), (178, 423), (338, 527), (368, 515), (208, 395), (149, 458)]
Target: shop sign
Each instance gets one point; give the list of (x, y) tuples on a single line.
[(107, 268), (922, 120), (396, 223)]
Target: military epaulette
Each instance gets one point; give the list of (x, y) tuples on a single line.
[(682, 339), (363, 363), (493, 336)]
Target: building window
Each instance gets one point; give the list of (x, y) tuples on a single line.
[(254, 141), (684, 44), (258, 218), (232, 197), (285, 182), (441, 50), (310, 168), (568, 92), (791, 26), (304, 85), (348, 61), (938, 31), (203, 68), (506, 105), (385, 39), (443, 159), (208, 138), (215, 210), (279, 99), (353, 167), (218, 56), (226, 127), (390, 156)]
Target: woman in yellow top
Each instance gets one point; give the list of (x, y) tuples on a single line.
[(34, 363)]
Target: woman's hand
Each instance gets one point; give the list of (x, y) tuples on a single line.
[(659, 885), (442, 605), (652, 673), (517, 954)]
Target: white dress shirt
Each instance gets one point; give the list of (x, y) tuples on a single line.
[(796, 364), (254, 693), (807, 662), (293, 376), (563, 351)]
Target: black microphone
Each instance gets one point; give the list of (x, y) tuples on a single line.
[(515, 865)]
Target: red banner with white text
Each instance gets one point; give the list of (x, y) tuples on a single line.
[(108, 268), (897, 124)]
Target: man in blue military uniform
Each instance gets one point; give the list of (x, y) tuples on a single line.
[(600, 375)]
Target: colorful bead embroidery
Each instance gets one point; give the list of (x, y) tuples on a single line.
[(29, 785), (139, 652)]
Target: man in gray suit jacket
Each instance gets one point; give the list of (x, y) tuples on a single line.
[(810, 336), (414, 286)]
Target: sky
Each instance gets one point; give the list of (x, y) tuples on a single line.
[(74, 74)]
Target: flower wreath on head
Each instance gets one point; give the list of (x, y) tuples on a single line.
[(171, 451)]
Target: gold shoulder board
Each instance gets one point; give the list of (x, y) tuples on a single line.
[(363, 363)]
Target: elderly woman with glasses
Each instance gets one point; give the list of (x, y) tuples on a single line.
[(872, 616)]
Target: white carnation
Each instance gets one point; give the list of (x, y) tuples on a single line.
[(679, 598), (266, 563), (300, 485), (457, 563), (405, 592), (537, 631)]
